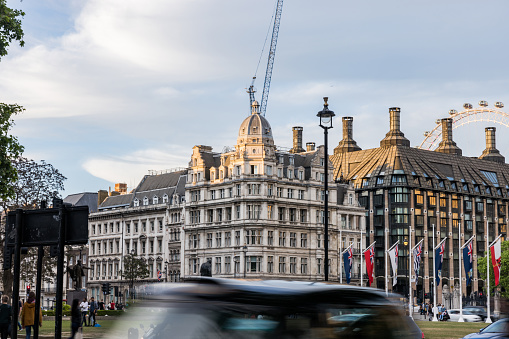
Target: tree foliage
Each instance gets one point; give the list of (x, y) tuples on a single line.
[(504, 274), (10, 27), (35, 182), (10, 149), (134, 268)]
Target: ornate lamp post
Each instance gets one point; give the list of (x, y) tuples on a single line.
[(325, 116), (405, 242), (166, 271)]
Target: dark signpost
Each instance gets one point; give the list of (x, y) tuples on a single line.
[(58, 226)]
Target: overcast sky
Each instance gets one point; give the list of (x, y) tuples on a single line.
[(114, 88)]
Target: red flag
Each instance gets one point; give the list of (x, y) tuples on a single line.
[(369, 255), (496, 253)]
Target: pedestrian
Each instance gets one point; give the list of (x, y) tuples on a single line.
[(84, 311), (92, 310), (112, 305), (20, 305), (101, 305), (28, 315), (75, 317), (5, 317)]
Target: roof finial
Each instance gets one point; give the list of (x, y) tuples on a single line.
[(325, 104)]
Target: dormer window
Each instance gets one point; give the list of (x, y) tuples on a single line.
[(136, 202), (155, 200), (281, 160), (255, 129), (292, 161), (165, 199), (145, 201)]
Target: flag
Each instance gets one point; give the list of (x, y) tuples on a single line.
[(348, 260), (393, 255), (417, 252), (159, 275), (496, 252), (467, 261), (439, 258), (369, 255)]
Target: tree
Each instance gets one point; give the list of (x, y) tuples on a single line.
[(10, 27), (35, 182), (10, 149), (134, 268), (504, 274)]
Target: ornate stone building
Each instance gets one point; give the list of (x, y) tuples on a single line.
[(407, 190), (257, 211), (146, 222)]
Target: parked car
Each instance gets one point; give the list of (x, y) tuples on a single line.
[(467, 316), (498, 330), (227, 308), (479, 310)]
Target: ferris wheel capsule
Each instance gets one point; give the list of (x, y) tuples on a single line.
[(427, 133), (499, 104), (483, 103), (452, 112), (438, 121), (467, 106)]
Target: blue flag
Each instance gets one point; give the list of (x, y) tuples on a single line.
[(439, 258), (348, 260), (467, 262)]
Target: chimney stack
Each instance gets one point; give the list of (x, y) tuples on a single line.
[(447, 145), (310, 146), (297, 140), (394, 137), (491, 152), (347, 144)]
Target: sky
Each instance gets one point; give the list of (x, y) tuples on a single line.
[(115, 88)]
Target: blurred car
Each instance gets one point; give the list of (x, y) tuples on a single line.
[(479, 310), (467, 316), (497, 330), (226, 308)]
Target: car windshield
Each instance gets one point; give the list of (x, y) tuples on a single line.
[(498, 327), (199, 320)]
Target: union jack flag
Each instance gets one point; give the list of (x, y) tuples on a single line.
[(467, 261), (159, 275), (439, 258), (417, 252), (348, 258), (369, 255)]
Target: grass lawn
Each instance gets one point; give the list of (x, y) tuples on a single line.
[(48, 329), (447, 329)]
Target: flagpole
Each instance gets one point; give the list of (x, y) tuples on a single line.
[(488, 318), (386, 264), (340, 258), (362, 259), (434, 279), (460, 320), (410, 271)]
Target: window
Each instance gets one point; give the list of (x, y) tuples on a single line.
[(280, 172), (221, 193), (217, 265), (227, 264), (143, 247), (237, 189), (219, 213), (290, 193), (160, 225), (318, 240), (432, 200), (279, 192), (151, 249), (281, 213), (270, 209), (268, 170), (228, 213), (227, 239), (253, 212), (253, 189), (282, 238), (210, 215), (270, 264), (270, 190), (237, 170), (236, 264), (136, 202), (194, 264), (319, 266), (301, 175), (218, 239), (145, 201), (303, 240), (195, 196), (253, 264), (209, 240), (159, 246), (293, 239), (270, 238), (293, 265), (282, 265), (290, 173), (144, 226), (254, 169), (237, 238), (155, 200), (293, 214), (194, 240), (254, 237), (212, 195), (195, 217), (303, 265), (237, 211), (152, 228), (165, 199), (303, 215), (301, 194)]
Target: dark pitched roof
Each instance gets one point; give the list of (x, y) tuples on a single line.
[(122, 200), (83, 199)]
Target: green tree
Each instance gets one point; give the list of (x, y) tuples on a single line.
[(10, 149), (134, 268), (504, 274), (10, 27)]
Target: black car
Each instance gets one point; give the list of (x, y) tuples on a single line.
[(498, 330), (225, 308)]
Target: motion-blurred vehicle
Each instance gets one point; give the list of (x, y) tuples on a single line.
[(479, 310), (497, 330), (226, 308), (467, 316)]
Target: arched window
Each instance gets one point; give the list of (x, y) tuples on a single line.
[(136, 202), (155, 200), (145, 201), (165, 198)]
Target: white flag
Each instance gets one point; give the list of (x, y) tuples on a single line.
[(393, 255)]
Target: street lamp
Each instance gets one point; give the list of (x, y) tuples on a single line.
[(245, 260), (405, 242), (166, 271), (132, 274), (325, 116)]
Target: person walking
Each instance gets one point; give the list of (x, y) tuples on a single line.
[(28, 315), (92, 307), (84, 311), (5, 317), (76, 318)]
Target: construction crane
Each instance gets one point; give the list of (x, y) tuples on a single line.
[(270, 63)]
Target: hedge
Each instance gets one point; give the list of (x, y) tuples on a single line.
[(99, 313)]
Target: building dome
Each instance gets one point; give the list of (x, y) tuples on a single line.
[(255, 128)]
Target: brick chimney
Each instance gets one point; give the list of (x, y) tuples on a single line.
[(347, 144), (297, 140), (310, 146), (491, 152), (447, 145), (394, 137)]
